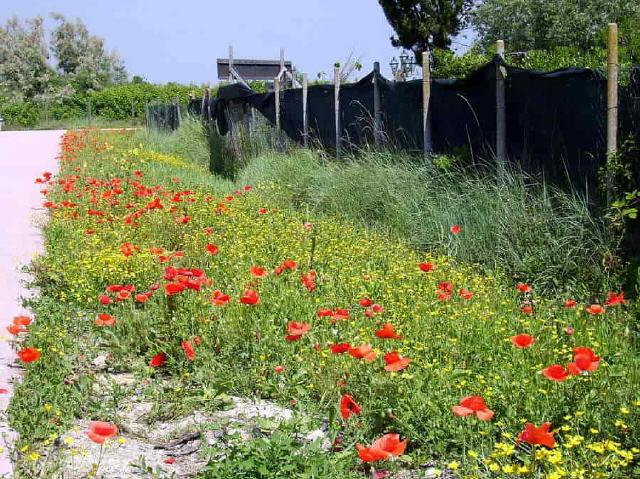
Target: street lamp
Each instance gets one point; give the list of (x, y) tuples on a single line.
[(394, 66), (404, 68)]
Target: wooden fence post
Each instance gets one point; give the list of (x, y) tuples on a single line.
[(612, 102), (305, 120), (176, 103), (501, 121), (336, 84), (377, 114), (276, 99), (230, 64), (207, 106), (426, 97)]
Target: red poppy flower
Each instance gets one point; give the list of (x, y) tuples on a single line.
[(324, 313), (263, 211), (170, 460), (569, 330), (455, 229), (187, 347), (212, 249), (387, 332), (376, 308), (158, 360), (289, 264), (387, 446), (309, 281), (473, 405), (250, 297), (527, 309), (522, 341), (105, 319), (174, 288), (395, 362), (104, 299), (279, 369), (197, 340), (584, 361), (16, 329), (615, 299), (219, 299), (570, 303), (142, 297), (340, 348), (555, 372), (128, 249), (537, 435), (183, 219), (365, 302), (348, 407), (100, 431), (22, 320), (341, 314), (365, 352), (296, 330), (29, 355), (523, 287), (595, 309), (258, 272), (247, 188), (278, 270), (465, 294), (426, 267)]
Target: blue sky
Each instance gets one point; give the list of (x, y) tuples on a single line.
[(179, 40)]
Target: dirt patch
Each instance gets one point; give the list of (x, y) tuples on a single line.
[(178, 448)]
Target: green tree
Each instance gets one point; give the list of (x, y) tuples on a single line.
[(425, 24), (82, 57), (24, 67), (543, 24)]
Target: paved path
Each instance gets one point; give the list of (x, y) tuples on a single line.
[(23, 157)]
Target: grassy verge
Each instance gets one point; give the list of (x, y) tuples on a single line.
[(532, 232), (124, 214)]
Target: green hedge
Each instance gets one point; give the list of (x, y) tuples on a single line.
[(112, 103)]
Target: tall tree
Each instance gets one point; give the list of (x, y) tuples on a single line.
[(425, 24), (82, 57), (24, 67), (544, 24)]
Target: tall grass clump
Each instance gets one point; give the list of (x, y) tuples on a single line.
[(190, 141), (526, 228)]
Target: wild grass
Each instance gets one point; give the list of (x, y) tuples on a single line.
[(528, 229)]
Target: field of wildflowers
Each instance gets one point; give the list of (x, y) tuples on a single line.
[(201, 288)]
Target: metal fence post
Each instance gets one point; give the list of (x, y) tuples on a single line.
[(426, 97), (612, 102), (377, 114), (305, 120), (501, 121), (336, 85)]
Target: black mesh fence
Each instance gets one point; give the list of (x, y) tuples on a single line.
[(163, 116), (556, 121)]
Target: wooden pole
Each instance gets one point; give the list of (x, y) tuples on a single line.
[(377, 114), (336, 84), (176, 103), (501, 121), (426, 97), (230, 64), (284, 76), (208, 105), (202, 105), (276, 99), (612, 102), (305, 120)]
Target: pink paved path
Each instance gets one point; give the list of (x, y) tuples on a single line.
[(23, 157)]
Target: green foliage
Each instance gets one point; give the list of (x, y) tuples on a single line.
[(449, 65), (280, 456), (544, 25), (425, 24), (19, 113), (527, 229)]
